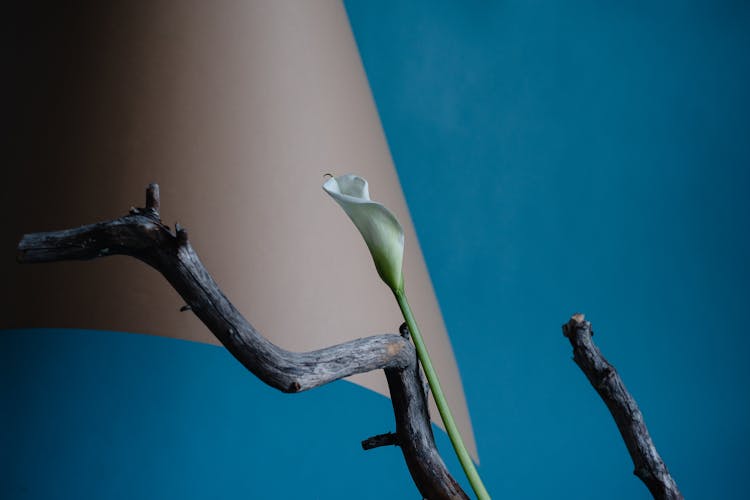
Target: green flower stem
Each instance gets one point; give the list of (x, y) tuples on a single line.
[(442, 404)]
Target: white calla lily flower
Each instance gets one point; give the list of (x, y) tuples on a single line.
[(381, 230), (385, 239)]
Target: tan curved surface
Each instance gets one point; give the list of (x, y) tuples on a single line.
[(236, 109)]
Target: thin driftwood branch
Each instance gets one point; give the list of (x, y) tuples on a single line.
[(387, 439), (649, 466), (142, 235)]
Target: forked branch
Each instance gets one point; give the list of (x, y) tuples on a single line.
[(142, 235)]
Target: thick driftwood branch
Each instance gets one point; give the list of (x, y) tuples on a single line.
[(649, 466), (142, 235)]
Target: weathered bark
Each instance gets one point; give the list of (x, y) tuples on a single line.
[(649, 466), (142, 235)]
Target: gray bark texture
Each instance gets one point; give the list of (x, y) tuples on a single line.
[(142, 235), (649, 466)]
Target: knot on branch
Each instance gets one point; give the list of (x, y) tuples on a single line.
[(293, 387), (181, 234)]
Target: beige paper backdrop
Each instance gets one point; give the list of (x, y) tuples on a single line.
[(236, 109)]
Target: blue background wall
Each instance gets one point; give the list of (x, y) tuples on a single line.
[(581, 156), (556, 157)]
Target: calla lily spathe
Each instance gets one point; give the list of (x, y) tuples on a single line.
[(385, 239), (382, 232)]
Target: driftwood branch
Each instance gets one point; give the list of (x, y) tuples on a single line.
[(649, 466), (387, 439), (142, 235)]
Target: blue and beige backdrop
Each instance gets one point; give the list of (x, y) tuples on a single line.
[(555, 157)]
